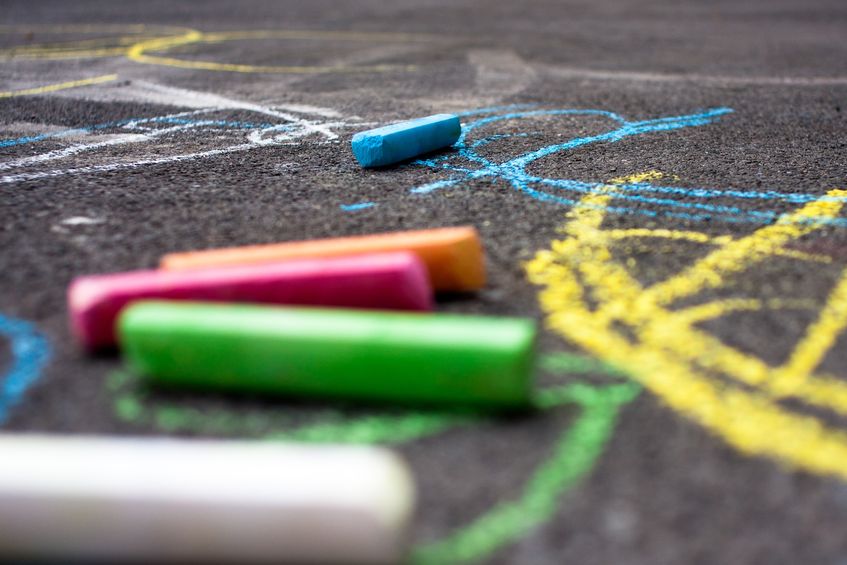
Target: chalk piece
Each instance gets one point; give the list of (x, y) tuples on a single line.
[(393, 281), (153, 500), (398, 142), (394, 357), (453, 256)]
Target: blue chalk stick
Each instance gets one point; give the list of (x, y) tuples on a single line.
[(397, 142)]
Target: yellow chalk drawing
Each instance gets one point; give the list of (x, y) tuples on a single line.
[(58, 86), (143, 44), (140, 51), (593, 301)]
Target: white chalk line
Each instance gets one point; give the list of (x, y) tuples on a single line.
[(255, 141), (183, 97), (306, 109), (77, 149), (117, 140), (22, 177), (81, 221)]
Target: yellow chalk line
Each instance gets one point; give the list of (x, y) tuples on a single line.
[(712, 310), (139, 52), (85, 48), (59, 86), (698, 237), (107, 47), (214, 37), (819, 338), (678, 362), (740, 254)]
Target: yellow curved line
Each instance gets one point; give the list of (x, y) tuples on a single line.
[(679, 363), (237, 68), (87, 48), (59, 86), (215, 37), (139, 53), (140, 49)]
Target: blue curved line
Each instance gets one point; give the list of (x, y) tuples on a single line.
[(747, 217), (585, 187), (514, 171), (794, 198), (627, 130), (30, 352), (711, 112)]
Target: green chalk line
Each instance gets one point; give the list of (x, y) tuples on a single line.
[(573, 455), (132, 406), (572, 363)]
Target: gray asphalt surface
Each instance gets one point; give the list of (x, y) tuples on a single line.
[(665, 490)]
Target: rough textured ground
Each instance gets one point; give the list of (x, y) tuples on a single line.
[(733, 448)]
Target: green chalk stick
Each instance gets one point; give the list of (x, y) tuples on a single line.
[(407, 358)]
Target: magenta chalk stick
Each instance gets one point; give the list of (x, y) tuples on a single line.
[(383, 281)]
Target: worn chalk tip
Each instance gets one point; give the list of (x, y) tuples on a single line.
[(405, 140)]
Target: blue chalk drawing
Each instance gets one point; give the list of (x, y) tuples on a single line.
[(359, 206), (30, 352), (464, 163)]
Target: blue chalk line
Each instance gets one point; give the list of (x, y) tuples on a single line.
[(359, 206), (30, 352)]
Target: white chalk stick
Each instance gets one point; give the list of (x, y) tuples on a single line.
[(147, 500)]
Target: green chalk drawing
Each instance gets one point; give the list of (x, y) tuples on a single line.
[(572, 456), (131, 405)]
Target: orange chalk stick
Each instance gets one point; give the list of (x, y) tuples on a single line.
[(453, 256)]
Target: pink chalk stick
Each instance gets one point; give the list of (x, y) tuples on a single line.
[(382, 281)]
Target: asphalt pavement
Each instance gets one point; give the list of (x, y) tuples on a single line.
[(656, 183)]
